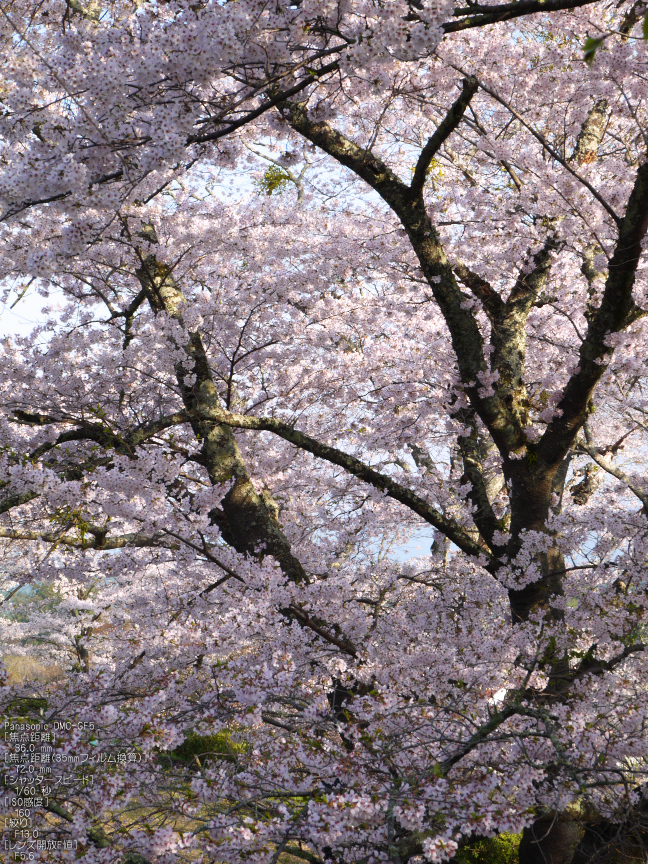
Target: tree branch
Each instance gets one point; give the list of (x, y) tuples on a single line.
[(201, 138), (611, 469), (467, 340), (123, 443), (560, 684), (12, 501), (446, 127), (293, 611), (458, 535), (482, 16), (99, 542), (481, 289), (246, 521), (473, 448), (553, 152), (611, 317)]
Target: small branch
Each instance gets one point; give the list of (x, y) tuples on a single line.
[(297, 180), (481, 735), (589, 666), (273, 102), (306, 621), (553, 153), (292, 611), (280, 97), (611, 469), (210, 557)]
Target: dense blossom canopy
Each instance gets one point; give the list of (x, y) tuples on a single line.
[(327, 279)]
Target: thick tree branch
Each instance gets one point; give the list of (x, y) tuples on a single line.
[(17, 500), (246, 521), (591, 666), (591, 134), (467, 341), (99, 540), (473, 450), (482, 16), (277, 98), (610, 317), (559, 685), (446, 127), (124, 443), (480, 288), (508, 333), (458, 535)]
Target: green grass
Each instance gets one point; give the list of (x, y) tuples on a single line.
[(502, 849), (200, 749)]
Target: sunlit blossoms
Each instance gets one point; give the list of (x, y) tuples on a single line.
[(323, 500)]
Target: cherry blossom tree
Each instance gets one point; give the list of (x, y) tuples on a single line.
[(326, 280)]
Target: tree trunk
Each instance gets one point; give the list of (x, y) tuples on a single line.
[(552, 839)]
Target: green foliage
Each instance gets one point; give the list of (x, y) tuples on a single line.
[(274, 180), (593, 43), (25, 708), (67, 518), (502, 849), (38, 595), (591, 47), (200, 749)]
